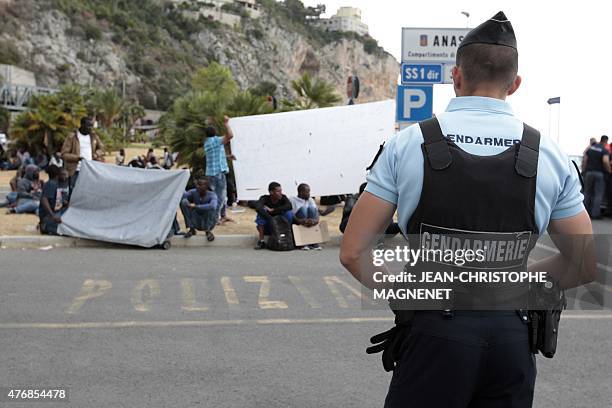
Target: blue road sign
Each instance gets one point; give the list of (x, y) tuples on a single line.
[(422, 73), (414, 102)]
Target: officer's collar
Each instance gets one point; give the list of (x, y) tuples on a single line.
[(481, 103)]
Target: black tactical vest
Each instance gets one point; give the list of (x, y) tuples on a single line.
[(477, 202)]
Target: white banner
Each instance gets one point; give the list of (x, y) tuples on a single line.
[(328, 148)]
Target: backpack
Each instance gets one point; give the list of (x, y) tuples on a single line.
[(281, 234), (331, 200)]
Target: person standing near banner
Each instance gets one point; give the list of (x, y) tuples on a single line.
[(216, 165), (84, 144), (504, 179)]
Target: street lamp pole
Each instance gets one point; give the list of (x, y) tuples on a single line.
[(467, 18), (551, 102)]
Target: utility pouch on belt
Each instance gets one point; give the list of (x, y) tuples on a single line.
[(549, 301)]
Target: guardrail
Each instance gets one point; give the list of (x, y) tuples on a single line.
[(15, 97)]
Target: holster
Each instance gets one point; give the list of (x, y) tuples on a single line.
[(548, 304)]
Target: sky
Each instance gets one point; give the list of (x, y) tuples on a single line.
[(565, 49)]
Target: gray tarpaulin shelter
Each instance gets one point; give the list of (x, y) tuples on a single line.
[(123, 205)]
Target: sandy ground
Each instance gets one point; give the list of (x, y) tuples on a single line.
[(244, 221)]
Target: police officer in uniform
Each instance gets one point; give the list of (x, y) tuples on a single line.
[(475, 167)]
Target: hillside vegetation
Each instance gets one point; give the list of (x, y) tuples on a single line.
[(152, 48)]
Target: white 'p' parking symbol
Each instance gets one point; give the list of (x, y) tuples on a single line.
[(414, 99), (414, 102)]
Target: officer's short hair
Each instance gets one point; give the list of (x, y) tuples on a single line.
[(604, 139), (488, 64)]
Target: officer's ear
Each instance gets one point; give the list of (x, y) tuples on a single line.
[(515, 85), (457, 76)]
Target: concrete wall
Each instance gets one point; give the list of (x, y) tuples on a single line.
[(215, 14), (213, 8), (351, 12), (153, 115), (344, 24), (251, 7), (17, 76)]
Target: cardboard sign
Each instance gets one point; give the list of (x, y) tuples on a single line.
[(314, 235)]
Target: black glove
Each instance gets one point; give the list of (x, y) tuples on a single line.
[(390, 343)]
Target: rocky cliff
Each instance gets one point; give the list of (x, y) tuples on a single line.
[(154, 49)]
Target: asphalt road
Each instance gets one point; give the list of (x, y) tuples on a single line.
[(227, 327)]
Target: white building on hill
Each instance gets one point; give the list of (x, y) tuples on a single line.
[(218, 9), (345, 19)]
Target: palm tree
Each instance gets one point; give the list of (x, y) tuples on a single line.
[(184, 124), (35, 129), (71, 99), (4, 120), (247, 104), (130, 113), (215, 95), (183, 127), (217, 79), (107, 105), (317, 94), (49, 120)]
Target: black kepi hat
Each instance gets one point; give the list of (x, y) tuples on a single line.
[(497, 30)]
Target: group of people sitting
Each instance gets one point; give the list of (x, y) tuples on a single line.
[(148, 161), (200, 208), (300, 210), (49, 200), (30, 195), (22, 158)]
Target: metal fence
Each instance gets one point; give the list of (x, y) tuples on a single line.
[(16, 97)]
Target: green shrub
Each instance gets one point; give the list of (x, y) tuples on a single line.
[(92, 31), (264, 88), (370, 46), (4, 120), (9, 53), (255, 33), (63, 68), (235, 8)]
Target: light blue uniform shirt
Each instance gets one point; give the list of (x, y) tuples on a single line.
[(481, 126)]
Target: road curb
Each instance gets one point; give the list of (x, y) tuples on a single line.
[(49, 242)]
